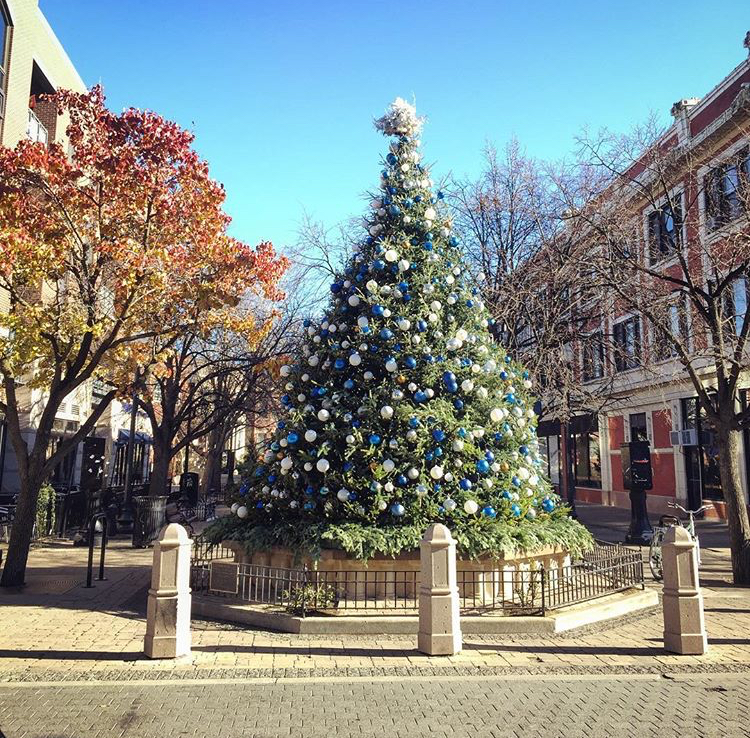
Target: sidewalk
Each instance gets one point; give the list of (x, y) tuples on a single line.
[(56, 630)]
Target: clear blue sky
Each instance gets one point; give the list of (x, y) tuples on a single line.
[(281, 95)]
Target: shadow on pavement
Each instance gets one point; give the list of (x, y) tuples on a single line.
[(11, 653), (562, 650)]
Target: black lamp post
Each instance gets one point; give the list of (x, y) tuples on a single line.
[(125, 521)]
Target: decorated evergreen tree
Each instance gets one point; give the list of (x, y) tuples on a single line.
[(401, 409)]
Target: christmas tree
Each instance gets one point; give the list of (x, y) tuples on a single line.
[(402, 410)]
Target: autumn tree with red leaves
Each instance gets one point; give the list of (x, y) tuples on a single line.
[(109, 252)]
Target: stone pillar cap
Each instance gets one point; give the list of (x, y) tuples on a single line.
[(438, 533), (679, 535), (174, 534)]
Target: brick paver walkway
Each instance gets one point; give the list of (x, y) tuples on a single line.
[(386, 708), (56, 637)]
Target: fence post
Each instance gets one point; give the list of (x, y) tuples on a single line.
[(684, 624), (439, 616), (168, 611)]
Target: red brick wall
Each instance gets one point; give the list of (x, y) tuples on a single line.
[(662, 425), (662, 466)]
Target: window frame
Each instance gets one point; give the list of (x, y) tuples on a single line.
[(719, 207), (5, 28), (593, 347), (625, 362), (657, 237)]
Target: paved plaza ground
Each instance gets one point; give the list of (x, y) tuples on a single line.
[(71, 664)]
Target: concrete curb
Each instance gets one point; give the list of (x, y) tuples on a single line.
[(570, 618)]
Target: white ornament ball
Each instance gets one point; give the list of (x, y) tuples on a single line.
[(449, 504), (235, 507), (386, 412), (389, 465), (287, 462), (413, 473), (471, 507), (322, 465), (391, 365), (242, 512), (285, 370), (323, 414), (436, 472), (391, 255), (343, 494), (355, 359), (496, 415), (353, 301), (310, 435)]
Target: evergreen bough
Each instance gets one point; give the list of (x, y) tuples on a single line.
[(402, 410)]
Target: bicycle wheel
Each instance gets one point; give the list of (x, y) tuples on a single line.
[(654, 554)]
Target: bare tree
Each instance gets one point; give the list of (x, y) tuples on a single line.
[(519, 241), (663, 228)]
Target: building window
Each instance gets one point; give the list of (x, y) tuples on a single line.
[(663, 231), (4, 33), (638, 429), (35, 130), (549, 448), (593, 357), (673, 330), (627, 344), (723, 188), (702, 460), (735, 306), (586, 459)]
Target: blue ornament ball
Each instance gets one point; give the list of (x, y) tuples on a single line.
[(398, 509), (483, 466)]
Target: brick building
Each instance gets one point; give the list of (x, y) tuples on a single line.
[(662, 407)]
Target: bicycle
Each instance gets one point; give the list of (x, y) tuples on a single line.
[(665, 523)]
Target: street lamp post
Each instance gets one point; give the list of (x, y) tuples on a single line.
[(125, 521)]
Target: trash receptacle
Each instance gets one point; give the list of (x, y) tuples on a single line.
[(150, 518), (189, 483)]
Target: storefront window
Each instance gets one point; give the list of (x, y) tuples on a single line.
[(701, 460), (587, 462)]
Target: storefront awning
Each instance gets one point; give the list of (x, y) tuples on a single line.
[(123, 435)]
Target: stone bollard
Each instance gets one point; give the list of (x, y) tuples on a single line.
[(439, 618), (168, 611), (684, 625)]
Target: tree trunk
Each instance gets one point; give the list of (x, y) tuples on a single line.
[(14, 571), (730, 459), (160, 471)]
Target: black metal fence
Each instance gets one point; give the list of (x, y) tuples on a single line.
[(203, 553), (525, 589)]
